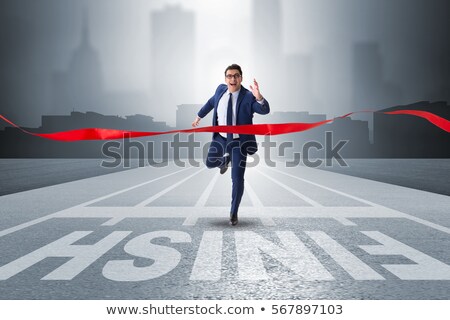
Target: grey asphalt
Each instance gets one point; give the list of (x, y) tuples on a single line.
[(17, 175), (284, 214), (423, 174)]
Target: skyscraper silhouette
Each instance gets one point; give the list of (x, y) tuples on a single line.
[(81, 86), (405, 136), (299, 84), (267, 53), (370, 90), (173, 68), (369, 86)]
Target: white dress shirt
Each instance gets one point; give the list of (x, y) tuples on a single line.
[(222, 109)]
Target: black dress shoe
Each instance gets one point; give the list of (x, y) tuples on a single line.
[(233, 219), (223, 168)]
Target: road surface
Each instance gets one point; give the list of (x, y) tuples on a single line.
[(163, 233)]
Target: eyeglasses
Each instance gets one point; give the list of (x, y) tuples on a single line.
[(231, 76)]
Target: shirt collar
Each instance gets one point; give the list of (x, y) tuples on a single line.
[(235, 94)]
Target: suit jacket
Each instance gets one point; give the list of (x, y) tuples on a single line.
[(245, 108)]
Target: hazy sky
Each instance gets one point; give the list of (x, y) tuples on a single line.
[(121, 29), (38, 38), (121, 32)]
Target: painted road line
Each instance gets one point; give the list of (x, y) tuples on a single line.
[(257, 203), (207, 192), (166, 190), (424, 268), (293, 254), (82, 205), (201, 202), (326, 188), (347, 260), (85, 204), (336, 213), (380, 207), (294, 192), (208, 263)]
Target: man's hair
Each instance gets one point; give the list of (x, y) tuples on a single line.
[(234, 67)]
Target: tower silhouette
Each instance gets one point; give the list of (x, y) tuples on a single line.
[(267, 46), (81, 86), (173, 68)]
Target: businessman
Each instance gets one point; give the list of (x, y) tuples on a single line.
[(233, 105)]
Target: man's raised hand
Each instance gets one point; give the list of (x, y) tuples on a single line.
[(255, 90)]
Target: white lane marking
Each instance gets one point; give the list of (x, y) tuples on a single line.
[(345, 221), (293, 254), (294, 192), (208, 263), (266, 221), (207, 192), (253, 196), (201, 202), (347, 260), (27, 224), (191, 214), (82, 205), (163, 192), (164, 258), (326, 188), (85, 204), (192, 220), (380, 207), (82, 255), (427, 223), (426, 267), (112, 221)]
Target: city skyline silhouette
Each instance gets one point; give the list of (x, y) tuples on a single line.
[(63, 56), (394, 137)]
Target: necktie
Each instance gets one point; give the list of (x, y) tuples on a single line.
[(230, 117)]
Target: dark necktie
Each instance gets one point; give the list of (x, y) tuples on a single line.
[(230, 117)]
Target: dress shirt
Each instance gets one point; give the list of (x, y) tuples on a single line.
[(222, 110)]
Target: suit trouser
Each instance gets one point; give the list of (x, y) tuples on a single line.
[(238, 163)]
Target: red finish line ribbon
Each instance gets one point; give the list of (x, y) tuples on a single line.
[(257, 129)]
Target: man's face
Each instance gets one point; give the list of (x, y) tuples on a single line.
[(233, 79)]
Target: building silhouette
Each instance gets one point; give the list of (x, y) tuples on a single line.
[(18, 144), (268, 58), (370, 89), (299, 84), (173, 68), (396, 136), (76, 120), (406, 136), (441, 78), (81, 85), (356, 132)]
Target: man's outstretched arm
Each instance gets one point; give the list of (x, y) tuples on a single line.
[(203, 111)]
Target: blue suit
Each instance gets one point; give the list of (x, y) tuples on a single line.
[(239, 148)]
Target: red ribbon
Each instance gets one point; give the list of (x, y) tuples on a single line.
[(257, 129)]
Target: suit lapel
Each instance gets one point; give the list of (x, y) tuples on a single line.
[(240, 97)]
